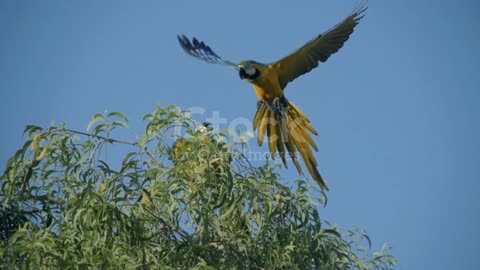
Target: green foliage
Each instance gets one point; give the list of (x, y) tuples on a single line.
[(190, 202)]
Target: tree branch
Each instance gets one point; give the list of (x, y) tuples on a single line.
[(110, 140)]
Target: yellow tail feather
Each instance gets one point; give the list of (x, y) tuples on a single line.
[(289, 132)]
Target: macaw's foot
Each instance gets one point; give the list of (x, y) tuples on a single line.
[(260, 103), (279, 106)]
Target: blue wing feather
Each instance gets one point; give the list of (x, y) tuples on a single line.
[(202, 51)]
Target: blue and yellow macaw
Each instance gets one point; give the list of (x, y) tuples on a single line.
[(287, 127)]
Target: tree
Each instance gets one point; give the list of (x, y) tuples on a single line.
[(65, 206)]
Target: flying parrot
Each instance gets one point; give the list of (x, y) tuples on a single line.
[(287, 127)]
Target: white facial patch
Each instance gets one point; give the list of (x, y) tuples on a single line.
[(250, 70)]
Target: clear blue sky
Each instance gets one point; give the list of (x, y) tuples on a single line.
[(397, 108)]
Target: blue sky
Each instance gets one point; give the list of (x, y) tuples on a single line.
[(397, 108)]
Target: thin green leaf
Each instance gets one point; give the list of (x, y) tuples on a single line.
[(118, 114), (96, 118)]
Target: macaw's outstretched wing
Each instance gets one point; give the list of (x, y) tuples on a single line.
[(202, 51), (319, 49)]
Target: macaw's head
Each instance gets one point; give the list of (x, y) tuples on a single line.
[(249, 70)]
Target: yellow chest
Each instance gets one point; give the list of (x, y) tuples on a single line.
[(267, 86)]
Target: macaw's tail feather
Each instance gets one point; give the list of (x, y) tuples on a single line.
[(288, 130)]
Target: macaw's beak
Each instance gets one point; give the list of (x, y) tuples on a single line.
[(243, 74)]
